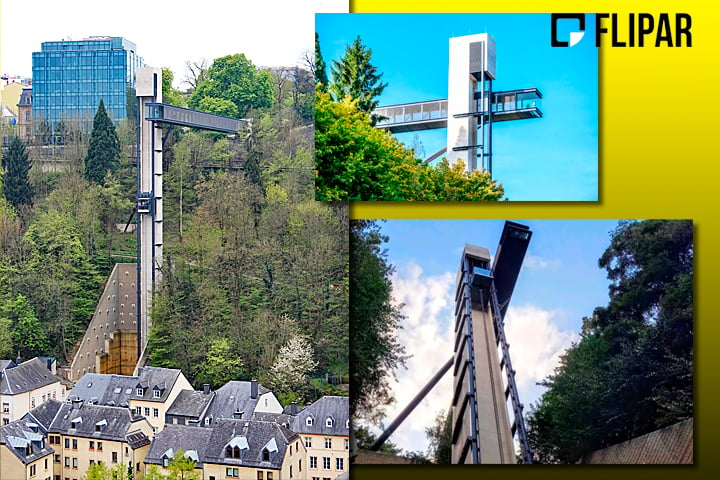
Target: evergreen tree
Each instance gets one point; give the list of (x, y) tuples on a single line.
[(320, 68), (104, 151), (16, 186), (354, 76)]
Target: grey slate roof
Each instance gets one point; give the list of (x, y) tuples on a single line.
[(175, 437), (190, 403), (44, 414), (25, 377), (234, 397), (334, 407), (156, 378), (6, 364), (19, 435), (111, 390), (119, 421), (258, 435)]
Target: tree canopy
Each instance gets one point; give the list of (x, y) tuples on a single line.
[(632, 370), (356, 161), (16, 184), (233, 79), (374, 320), (353, 75), (103, 153)]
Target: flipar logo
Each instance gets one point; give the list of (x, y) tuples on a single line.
[(630, 30), (575, 36)]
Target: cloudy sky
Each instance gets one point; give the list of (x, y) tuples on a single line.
[(268, 32), (559, 284)]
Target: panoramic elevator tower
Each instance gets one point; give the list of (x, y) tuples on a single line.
[(486, 410)]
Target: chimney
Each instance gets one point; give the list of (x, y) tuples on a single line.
[(293, 408), (76, 402), (253, 389), (238, 414), (206, 388)]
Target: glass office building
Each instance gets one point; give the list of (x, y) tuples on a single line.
[(71, 76)]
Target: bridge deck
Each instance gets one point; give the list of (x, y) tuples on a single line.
[(507, 105)]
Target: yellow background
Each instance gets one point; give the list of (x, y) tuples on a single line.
[(659, 149)]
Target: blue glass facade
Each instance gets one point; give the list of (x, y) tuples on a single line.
[(70, 78)]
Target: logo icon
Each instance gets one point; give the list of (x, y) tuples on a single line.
[(575, 36)]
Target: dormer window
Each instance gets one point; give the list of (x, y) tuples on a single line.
[(156, 393), (329, 422), (100, 426), (347, 423), (140, 392), (237, 447), (269, 450), (309, 421), (75, 422)]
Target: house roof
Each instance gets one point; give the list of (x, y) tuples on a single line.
[(93, 421), (259, 436), (234, 397), (19, 435), (334, 407), (176, 437), (26, 377), (155, 378), (190, 403), (104, 389), (44, 413)]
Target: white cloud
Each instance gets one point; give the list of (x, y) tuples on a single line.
[(536, 344), (427, 336), (533, 262)]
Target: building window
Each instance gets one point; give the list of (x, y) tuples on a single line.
[(114, 457), (300, 465), (74, 443), (147, 411), (309, 421), (156, 413), (308, 442), (67, 443), (75, 463), (339, 464), (6, 408), (67, 462), (92, 445), (347, 444), (313, 462), (32, 403), (100, 446), (6, 421), (328, 443), (328, 422), (290, 471), (232, 472), (269, 476), (156, 393), (138, 410), (139, 392), (57, 458), (32, 470), (326, 463)]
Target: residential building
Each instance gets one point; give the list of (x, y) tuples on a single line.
[(24, 452), (24, 118), (190, 407), (25, 386), (325, 430), (241, 399), (234, 449), (71, 76), (83, 434), (148, 395)]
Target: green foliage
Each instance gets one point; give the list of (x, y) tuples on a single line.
[(440, 437), (98, 471), (356, 161), (365, 438), (222, 364), (104, 150), (170, 94), (181, 467), (376, 352), (631, 372), (355, 77), (233, 79), (29, 339), (15, 185), (321, 76)]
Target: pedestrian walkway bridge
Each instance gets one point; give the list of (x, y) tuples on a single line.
[(428, 115)]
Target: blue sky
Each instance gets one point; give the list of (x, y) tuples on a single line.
[(559, 284), (553, 158)]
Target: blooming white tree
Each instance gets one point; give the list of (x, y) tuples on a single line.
[(292, 365)]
